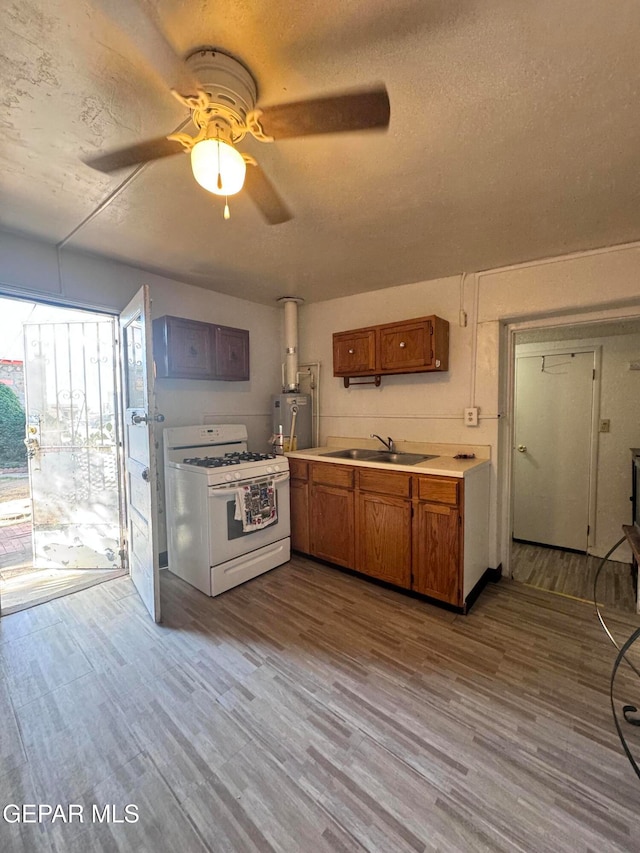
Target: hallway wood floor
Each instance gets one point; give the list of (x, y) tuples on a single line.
[(573, 574), (311, 711)]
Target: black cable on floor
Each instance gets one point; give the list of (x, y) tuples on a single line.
[(627, 710)]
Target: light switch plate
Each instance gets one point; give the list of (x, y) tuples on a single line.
[(605, 425)]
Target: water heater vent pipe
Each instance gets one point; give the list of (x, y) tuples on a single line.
[(291, 343)]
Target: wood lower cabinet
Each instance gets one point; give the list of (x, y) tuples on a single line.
[(331, 518), (331, 513), (407, 530), (299, 488), (437, 538), (383, 542), (436, 552)]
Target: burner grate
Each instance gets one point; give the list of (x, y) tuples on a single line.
[(236, 458)]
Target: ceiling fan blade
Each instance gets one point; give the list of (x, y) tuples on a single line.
[(265, 196), (152, 149), (140, 23), (361, 110)]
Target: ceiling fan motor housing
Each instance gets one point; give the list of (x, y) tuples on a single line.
[(229, 85)]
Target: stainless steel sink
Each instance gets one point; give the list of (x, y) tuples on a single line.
[(399, 458), (385, 456), (352, 453)]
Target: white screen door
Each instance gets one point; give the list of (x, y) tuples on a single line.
[(72, 442), (552, 454), (139, 449)]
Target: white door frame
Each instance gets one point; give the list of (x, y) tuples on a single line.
[(507, 426), (564, 348)]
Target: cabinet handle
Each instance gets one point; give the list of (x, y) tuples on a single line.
[(351, 351), (402, 345)]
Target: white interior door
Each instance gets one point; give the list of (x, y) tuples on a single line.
[(139, 449), (552, 454)]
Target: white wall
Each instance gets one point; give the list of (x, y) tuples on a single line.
[(576, 288), (428, 407), (30, 268), (620, 403), (418, 407)]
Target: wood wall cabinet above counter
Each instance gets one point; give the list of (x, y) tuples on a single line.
[(190, 349), (420, 345)]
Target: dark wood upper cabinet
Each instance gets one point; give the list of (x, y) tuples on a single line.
[(182, 348), (190, 349), (410, 346), (231, 353)]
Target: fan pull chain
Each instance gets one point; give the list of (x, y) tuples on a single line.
[(227, 212), (219, 174)]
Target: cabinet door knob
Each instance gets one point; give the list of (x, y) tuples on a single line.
[(402, 345), (351, 351), (522, 448)]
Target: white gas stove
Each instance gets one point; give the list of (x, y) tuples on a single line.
[(227, 508)]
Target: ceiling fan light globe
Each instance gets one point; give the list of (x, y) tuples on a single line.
[(218, 166)]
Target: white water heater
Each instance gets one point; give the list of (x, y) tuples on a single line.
[(282, 408)]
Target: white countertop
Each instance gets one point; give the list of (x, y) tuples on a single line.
[(444, 464)]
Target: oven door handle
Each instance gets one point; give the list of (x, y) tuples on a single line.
[(218, 491)]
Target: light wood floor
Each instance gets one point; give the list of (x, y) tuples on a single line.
[(573, 574), (311, 711), (28, 586)]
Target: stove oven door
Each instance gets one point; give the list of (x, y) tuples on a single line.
[(227, 539)]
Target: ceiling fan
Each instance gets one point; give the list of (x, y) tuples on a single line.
[(221, 94)]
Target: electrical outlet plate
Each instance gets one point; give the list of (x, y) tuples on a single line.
[(471, 416), (605, 425)]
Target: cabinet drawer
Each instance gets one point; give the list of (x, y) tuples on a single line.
[(299, 469), (443, 490), (384, 482), (354, 352), (406, 346), (332, 475)]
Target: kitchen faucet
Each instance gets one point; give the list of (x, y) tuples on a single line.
[(388, 443)]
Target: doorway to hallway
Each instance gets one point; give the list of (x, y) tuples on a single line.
[(569, 466), (60, 487)]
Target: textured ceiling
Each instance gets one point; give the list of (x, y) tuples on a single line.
[(515, 134)]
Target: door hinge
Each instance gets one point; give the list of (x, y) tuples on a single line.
[(588, 529), (594, 373), (124, 556), (430, 329)]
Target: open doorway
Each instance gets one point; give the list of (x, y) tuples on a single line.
[(574, 422), (61, 502)]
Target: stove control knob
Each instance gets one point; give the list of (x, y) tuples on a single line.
[(269, 469), (227, 476), (276, 468), (236, 476)]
